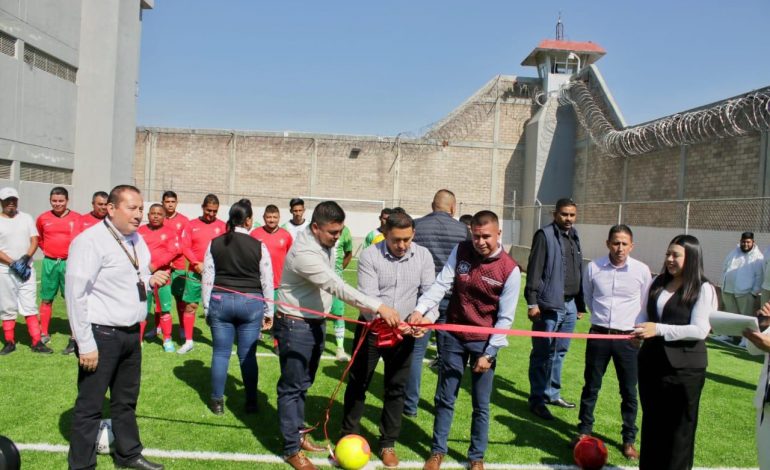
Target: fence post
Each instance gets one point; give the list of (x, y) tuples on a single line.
[(620, 214), (687, 218)]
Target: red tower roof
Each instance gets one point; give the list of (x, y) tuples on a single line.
[(593, 50)]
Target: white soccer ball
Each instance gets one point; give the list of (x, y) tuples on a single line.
[(105, 439)]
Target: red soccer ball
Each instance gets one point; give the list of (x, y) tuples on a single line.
[(590, 453)]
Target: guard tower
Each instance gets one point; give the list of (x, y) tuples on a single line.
[(556, 59)]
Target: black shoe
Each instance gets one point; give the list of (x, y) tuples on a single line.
[(70, 348), (143, 464), (561, 402), (541, 411), (41, 348), (217, 406), (410, 414), (9, 347), (251, 407)]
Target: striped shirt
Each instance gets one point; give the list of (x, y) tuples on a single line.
[(395, 281)]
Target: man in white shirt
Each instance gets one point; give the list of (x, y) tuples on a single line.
[(106, 293), (298, 222), (18, 288), (759, 343), (615, 289), (742, 276)]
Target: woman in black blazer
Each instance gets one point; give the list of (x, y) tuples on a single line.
[(672, 359)]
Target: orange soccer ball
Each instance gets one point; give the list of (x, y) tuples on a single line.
[(590, 453), (352, 452)]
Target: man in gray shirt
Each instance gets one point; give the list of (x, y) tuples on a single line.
[(308, 283), (395, 272)]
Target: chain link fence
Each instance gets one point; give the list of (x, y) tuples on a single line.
[(717, 223)]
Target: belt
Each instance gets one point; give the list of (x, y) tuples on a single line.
[(55, 259), (609, 331), (125, 329), (311, 321)]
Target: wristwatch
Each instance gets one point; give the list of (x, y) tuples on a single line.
[(489, 357)]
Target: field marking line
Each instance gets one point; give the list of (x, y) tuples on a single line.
[(270, 458)]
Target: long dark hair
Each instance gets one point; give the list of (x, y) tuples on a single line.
[(239, 212), (693, 276)]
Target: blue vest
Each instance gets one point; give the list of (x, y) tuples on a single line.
[(439, 233), (550, 295)]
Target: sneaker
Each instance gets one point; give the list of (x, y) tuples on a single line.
[(168, 346), (45, 339), (9, 347), (41, 348), (70, 348), (389, 457), (217, 406), (186, 347), (342, 356)]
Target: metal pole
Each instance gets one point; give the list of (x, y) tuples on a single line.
[(620, 214), (687, 218)]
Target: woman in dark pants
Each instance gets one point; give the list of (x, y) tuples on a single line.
[(236, 264), (672, 359)]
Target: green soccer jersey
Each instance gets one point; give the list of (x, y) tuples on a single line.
[(344, 245)]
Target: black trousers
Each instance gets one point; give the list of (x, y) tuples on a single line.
[(119, 370), (398, 361), (623, 354), (670, 399)]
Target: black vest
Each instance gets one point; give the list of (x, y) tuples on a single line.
[(237, 264), (681, 354)]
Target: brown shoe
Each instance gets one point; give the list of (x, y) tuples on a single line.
[(477, 465), (389, 457), (630, 452), (433, 462), (573, 442), (300, 462), (309, 446)]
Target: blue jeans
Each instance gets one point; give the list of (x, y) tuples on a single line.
[(231, 314), (300, 344), (547, 356), (412, 389), (455, 354)]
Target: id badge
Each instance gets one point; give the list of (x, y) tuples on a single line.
[(142, 291)]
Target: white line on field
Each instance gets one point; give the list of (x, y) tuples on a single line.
[(269, 458)]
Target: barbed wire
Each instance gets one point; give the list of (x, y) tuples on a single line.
[(734, 117)]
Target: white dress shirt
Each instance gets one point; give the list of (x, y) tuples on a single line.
[(699, 326), (265, 277), (615, 295), (101, 283), (506, 308)]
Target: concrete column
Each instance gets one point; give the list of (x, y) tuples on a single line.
[(764, 164), (494, 184), (231, 168), (397, 175), (149, 165), (313, 180), (681, 181)]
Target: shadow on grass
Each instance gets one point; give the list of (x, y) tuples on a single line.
[(198, 377), (723, 379), (734, 351)]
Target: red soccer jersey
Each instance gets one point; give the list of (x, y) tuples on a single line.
[(163, 245), (197, 237), (179, 224), (278, 244), (56, 233), (88, 220)]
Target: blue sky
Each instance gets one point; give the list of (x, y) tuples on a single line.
[(383, 67)]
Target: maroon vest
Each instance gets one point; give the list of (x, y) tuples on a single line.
[(477, 288)]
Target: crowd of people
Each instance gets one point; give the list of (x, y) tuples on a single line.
[(412, 274)]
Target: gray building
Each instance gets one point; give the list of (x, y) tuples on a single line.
[(68, 76)]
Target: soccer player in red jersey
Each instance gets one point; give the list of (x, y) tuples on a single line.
[(195, 242), (98, 212), (179, 223), (56, 229), (163, 245)]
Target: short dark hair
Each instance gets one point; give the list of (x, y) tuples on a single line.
[(60, 191), (398, 210), (296, 202), (483, 218), (239, 212), (399, 220), (747, 236), (272, 209), (116, 195), (386, 211), (565, 202), (328, 212), (210, 199), (167, 194), (620, 228), (99, 194), (153, 206), (466, 219)]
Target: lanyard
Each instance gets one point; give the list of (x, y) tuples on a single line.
[(133, 259)]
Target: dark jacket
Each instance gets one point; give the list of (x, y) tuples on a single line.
[(545, 270), (439, 233)]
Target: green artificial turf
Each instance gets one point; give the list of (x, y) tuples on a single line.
[(38, 393)]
